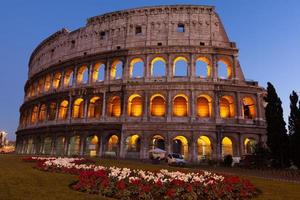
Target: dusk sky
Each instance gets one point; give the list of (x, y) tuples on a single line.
[(267, 33)]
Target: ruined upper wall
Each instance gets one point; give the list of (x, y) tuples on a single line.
[(117, 30)]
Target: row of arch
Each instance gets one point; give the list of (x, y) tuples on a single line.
[(92, 146), (135, 108), (84, 75)]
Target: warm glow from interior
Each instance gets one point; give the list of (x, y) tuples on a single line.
[(228, 66), (81, 73), (248, 108), (135, 105), (112, 142), (40, 86), (56, 80), (47, 83), (78, 108), (204, 106), (96, 71), (158, 105), (227, 146), (42, 114), (95, 107), (208, 65), (180, 106), (131, 142), (204, 147), (185, 145), (34, 114), (113, 70), (63, 110), (226, 107), (115, 106), (68, 79)]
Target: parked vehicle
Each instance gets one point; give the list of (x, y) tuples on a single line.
[(176, 159)]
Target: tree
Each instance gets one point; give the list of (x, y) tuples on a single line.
[(277, 141), (294, 128)]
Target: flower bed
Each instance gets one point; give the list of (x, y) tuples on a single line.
[(124, 183)]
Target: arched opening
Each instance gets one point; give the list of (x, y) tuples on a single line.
[(63, 110), (47, 83), (47, 146), (227, 107), (180, 67), (136, 69), (157, 105), (112, 146), (40, 86), (24, 146), (204, 106), (248, 108), (157, 142), (249, 145), (68, 79), (34, 114), (56, 80), (180, 146), (95, 107), (227, 148), (203, 68), (91, 146), (82, 75), (30, 146), (115, 106), (78, 108), (204, 148), (224, 69), (116, 71), (135, 105), (98, 72), (133, 143), (52, 111), (158, 67), (42, 113), (180, 106), (60, 146), (74, 146)]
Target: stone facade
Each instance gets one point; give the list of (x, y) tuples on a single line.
[(185, 33)]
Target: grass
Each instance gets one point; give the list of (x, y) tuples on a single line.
[(19, 181)]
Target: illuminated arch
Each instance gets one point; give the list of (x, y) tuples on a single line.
[(115, 106), (74, 146), (116, 71), (180, 145), (227, 147), (203, 67), (60, 146), (135, 105), (98, 72), (47, 83), (204, 106), (136, 68), (40, 86), (95, 107), (204, 148), (180, 106), (30, 146), (249, 110), (157, 141), (78, 108), (112, 146), (68, 79), (52, 111), (47, 145), (158, 105), (91, 146), (42, 113), (227, 107), (63, 110), (133, 143), (34, 114), (224, 69), (158, 67), (249, 145), (56, 80), (180, 67), (82, 75)]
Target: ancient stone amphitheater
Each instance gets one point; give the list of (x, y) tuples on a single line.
[(130, 81)]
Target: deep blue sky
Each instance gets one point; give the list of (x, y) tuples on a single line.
[(267, 32)]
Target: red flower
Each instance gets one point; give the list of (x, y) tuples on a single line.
[(170, 193), (145, 188), (121, 185), (189, 188)]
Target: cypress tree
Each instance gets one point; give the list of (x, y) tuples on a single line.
[(277, 141)]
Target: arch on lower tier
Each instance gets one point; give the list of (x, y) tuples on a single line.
[(180, 105), (157, 141), (82, 76), (47, 146), (114, 106), (249, 145), (63, 110), (227, 107), (204, 106), (91, 146), (95, 107), (78, 109), (60, 146), (227, 146), (112, 146), (74, 146), (204, 148), (42, 113), (180, 145)]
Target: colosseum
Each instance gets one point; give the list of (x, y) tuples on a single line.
[(130, 81)]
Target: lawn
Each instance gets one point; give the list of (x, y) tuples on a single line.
[(18, 180)]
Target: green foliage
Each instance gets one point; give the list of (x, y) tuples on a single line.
[(261, 155), (277, 141)]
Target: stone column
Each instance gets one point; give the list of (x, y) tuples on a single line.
[(235, 68), (147, 69), (70, 109), (216, 106), (192, 68), (145, 107), (103, 104), (66, 145), (90, 74), (62, 80), (107, 72), (85, 109), (238, 106), (100, 149), (169, 68), (121, 145), (258, 110), (53, 146), (75, 76), (214, 68), (192, 111), (82, 145), (169, 106)]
